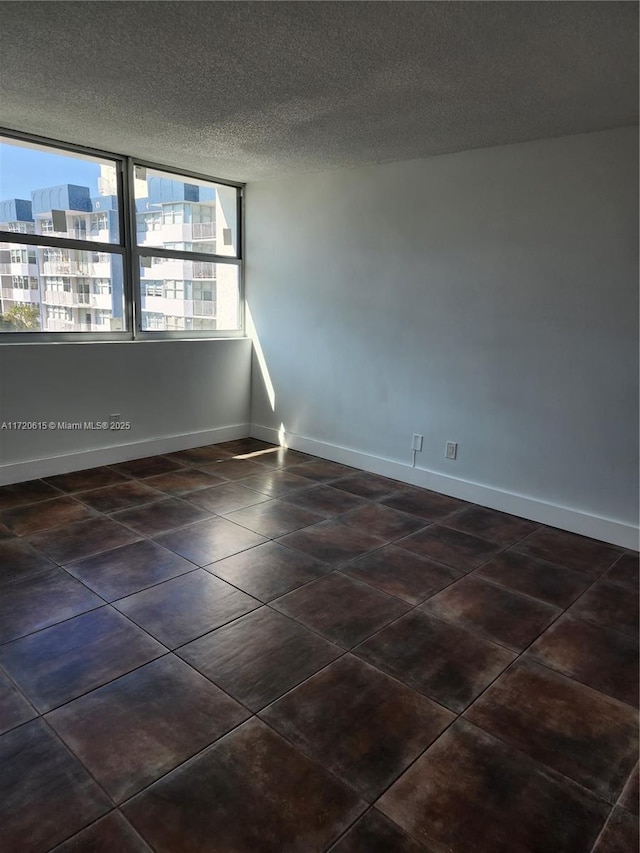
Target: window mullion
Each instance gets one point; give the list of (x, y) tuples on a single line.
[(60, 242), (132, 273)]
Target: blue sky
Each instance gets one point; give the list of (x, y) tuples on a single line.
[(25, 169)]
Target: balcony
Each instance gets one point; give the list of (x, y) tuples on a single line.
[(204, 308), (19, 295), (202, 230), (18, 268), (203, 270), (57, 297), (64, 268), (64, 297), (100, 236), (164, 305), (54, 325)]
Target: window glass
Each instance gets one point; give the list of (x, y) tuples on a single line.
[(39, 185), (57, 279), (170, 210), (190, 295)]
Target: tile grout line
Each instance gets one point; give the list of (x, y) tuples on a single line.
[(214, 743), (606, 823), (68, 749), (114, 810), (22, 695)]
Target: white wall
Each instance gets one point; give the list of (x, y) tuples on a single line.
[(487, 297), (176, 394)]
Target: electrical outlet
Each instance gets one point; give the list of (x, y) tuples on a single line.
[(416, 443), (451, 450)]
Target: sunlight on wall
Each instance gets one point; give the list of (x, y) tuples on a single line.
[(268, 384)]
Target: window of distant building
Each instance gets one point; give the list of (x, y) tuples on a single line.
[(101, 286), (99, 222), (23, 256), (64, 244)]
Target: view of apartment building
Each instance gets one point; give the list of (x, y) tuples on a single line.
[(176, 293), (74, 290), (19, 283)]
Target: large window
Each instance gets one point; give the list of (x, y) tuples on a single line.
[(187, 231), (95, 245)]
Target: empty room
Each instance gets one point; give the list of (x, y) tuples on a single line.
[(319, 447)]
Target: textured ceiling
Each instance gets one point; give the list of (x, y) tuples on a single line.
[(251, 90)]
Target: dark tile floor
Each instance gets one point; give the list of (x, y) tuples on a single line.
[(242, 648)]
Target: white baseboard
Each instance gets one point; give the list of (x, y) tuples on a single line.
[(18, 472), (564, 518)]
